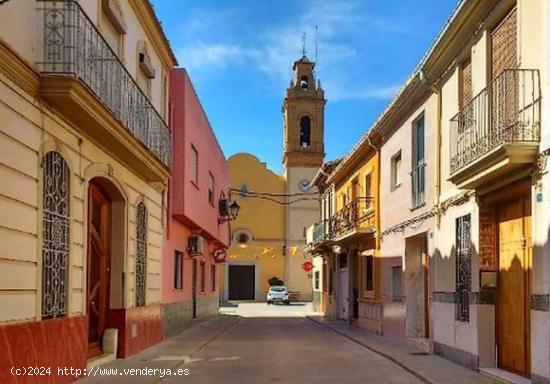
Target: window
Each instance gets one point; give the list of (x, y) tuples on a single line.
[(213, 277), (397, 283), (396, 171), (112, 25), (178, 270), (463, 268), (194, 165), (203, 276), (56, 231), (368, 273), (305, 132), (145, 72), (368, 186), (210, 188), (417, 173), (141, 253), (317, 280)]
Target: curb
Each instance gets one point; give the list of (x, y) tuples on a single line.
[(377, 351)]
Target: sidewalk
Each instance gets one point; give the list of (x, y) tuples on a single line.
[(431, 369), (172, 353)]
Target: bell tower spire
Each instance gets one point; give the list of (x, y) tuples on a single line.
[(303, 115)]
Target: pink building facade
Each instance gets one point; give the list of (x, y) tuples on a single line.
[(199, 180)]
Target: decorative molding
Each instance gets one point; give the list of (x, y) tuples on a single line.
[(111, 9), (540, 303), (18, 70)]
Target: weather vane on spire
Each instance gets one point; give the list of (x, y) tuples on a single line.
[(304, 44)]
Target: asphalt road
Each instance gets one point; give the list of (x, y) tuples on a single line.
[(287, 350)]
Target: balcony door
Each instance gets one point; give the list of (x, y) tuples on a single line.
[(504, 81)]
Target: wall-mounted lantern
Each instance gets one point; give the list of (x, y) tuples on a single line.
[(229, 210)]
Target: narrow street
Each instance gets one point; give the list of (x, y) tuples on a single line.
[(261, 350), (277, 344)]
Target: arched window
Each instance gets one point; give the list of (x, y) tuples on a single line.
[(141, 253), (304, 82), (305, 132), (56, 230)]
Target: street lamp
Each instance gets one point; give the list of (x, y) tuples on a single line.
[(228, 212)]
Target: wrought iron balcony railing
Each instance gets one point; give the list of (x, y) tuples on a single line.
[(418, 183), (73, 46), (351, 217), (507, 111)]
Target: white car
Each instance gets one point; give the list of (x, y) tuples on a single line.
[(278, 294)]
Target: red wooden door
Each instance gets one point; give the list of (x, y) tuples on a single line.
[(99, 230)]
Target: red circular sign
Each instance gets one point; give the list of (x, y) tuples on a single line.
[(307, 266), (219, 255)]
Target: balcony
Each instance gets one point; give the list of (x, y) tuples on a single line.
[(356, 218), (498, 131), (83, 79)]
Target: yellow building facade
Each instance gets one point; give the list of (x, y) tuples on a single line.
[(347, 238), (258, 245)]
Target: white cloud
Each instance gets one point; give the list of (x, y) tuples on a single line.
[(273, 51)]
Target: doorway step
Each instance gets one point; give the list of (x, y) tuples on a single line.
[(110, 344), (504, 376)]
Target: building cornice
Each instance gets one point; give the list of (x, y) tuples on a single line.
[(18, 70)]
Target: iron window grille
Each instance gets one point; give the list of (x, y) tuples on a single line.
[(141, 253), (463, 268), (56, 235)]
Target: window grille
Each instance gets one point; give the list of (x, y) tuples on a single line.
[(141, 253), (55, 233), (463, 268)]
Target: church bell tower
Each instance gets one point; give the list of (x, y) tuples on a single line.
[(303, 154), (303, 113)]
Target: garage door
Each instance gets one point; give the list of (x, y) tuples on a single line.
[(241, 282)]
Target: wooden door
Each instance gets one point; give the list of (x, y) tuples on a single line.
[(513, 317), (241, 282), (98, 264)]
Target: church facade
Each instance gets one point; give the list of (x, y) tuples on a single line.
[(268, 237)]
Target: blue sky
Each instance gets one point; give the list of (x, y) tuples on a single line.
[(240, 53)]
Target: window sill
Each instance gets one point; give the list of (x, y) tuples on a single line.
[(417, 207)]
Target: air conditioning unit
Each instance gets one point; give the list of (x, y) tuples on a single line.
[(195, 245)]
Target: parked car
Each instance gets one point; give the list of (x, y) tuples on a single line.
[(278, 294)]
